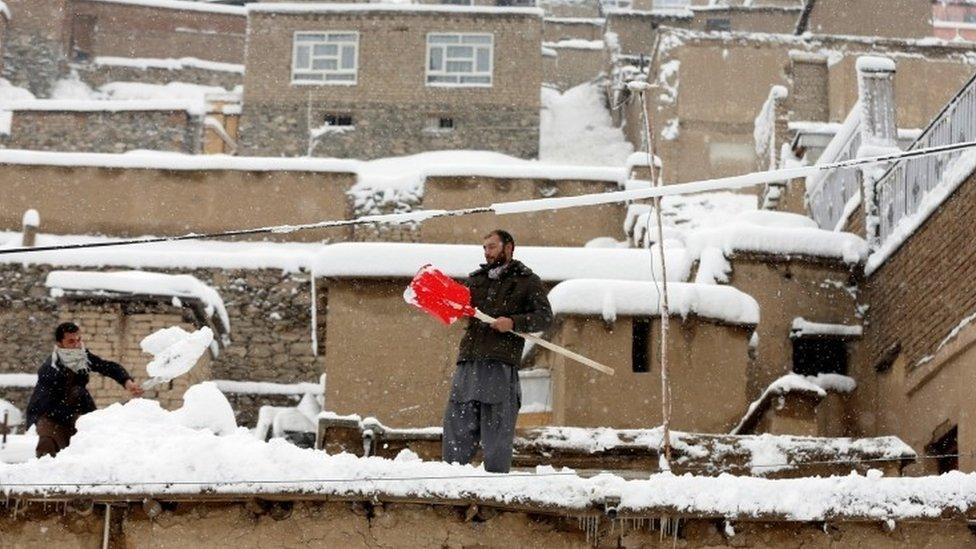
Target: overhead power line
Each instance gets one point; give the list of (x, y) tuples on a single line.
[(524, 206)]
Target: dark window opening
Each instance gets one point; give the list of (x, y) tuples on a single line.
[(83, 37), (338, 119), (946, 451), (819, 355), (445, 123), (641, 345), (522, 3), (718, 25), (457, 2)]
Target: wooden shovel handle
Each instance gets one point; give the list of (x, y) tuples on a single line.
[(551, 346)]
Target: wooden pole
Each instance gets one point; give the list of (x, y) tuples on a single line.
[(665, 308)]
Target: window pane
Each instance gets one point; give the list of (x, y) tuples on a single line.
[(308, 76), (476, 80), (324, 64), (484, 59), (442, 79), (339, 77), (436, 59), (463, 52), (348, 57), (302, 60), (442, 39), (326, 49), (310, 38), (477, 39), (345, 37), (459, 66)]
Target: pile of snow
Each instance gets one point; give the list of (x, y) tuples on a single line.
[(576, 128), (175, 351), (74, 94), (141, 283), (12, 414), (613, 298), (204, 407)]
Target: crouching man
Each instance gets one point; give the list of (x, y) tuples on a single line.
[(485, 393), (61, 393)]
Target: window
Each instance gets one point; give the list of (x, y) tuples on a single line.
[(515, 3), (439, 124), (946, 450), (718, 25), (641, 345), (616, 4), (457, 2), (671, 3), (459, 59), (325, 57), (338, 120), (819, 355)]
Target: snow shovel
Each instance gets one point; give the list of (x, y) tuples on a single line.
[(447, 300)]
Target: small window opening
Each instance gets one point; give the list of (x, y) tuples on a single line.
[(819, 355), (440, 123), (718, 25), (641, 345), (946, 451), (339, 120)]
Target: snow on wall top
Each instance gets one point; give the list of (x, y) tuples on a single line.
[(141, 283), (611, 298), (180, 5), (819, 385), (76, 105), (5, 10), (312, 7), (401, 260), (173, 64), (119, 449)]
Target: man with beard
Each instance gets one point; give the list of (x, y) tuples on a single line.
[(61, 393), (485, 393)]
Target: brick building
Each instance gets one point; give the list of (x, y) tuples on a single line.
[(372, 80)]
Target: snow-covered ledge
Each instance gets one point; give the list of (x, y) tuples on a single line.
[(804, 328), (145, 283), (815, 387)]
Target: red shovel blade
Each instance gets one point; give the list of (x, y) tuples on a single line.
[(439, 295)]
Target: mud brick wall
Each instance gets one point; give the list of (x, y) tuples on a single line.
[(96, 75), (105, 132)]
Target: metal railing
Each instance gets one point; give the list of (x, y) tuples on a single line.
[(900, 191), (828, 194)]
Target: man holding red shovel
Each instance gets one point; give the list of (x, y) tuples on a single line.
[(485, 393)]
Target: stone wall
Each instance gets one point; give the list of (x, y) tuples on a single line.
[(105, 131), (33, 47), (96, 75), (270, 339), (383, 130)]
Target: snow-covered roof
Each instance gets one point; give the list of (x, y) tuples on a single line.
[(802, 327), (664, 13), (156, 160), (613, 298), (595, 21), (402, 260), (181, 5), (73, 105), (140, 283), (576, 44), (172, 64), (326, 7), (140, 448)]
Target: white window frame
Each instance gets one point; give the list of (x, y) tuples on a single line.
[(342, 73), (444, 73)]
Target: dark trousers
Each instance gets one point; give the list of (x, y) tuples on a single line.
[(52, 437), (493, 425)]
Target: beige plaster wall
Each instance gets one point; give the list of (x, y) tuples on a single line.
[(554, 31), (705, 359), (785, 290), (567, 227), (385, 358), (894, 18), (128, 202)]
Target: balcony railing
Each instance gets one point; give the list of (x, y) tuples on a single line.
[(828, 193), (902, 189)]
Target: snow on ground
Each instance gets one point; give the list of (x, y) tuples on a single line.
[(139, 447), (576, 129)]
